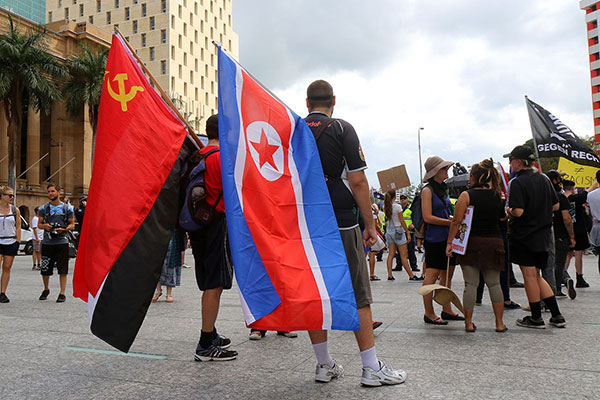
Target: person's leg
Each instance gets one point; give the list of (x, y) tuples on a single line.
[(532, 289), (390, 259), (492, 280), (364, 337), (581, 283), (412, 257), (7, 262), (169, 293), (211, 299), (560, 257), (46, 281), (479, 298), (62, 278), (371, 264), (471, 278), (548, 271), (403, 250), (430, 278)]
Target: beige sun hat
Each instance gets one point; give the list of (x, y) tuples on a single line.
[(442, 295), (433, 164)]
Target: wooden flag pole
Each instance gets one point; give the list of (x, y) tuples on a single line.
[(161, 91)]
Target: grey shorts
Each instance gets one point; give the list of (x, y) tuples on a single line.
[(357, 264), (37, 245)]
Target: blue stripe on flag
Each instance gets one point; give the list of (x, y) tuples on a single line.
[(254, 283)]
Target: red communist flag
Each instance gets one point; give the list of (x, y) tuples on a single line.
[(139, 139)]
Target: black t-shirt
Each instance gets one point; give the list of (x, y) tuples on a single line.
[(560, 230), (533, 192), (577, 211), (488, 208), (340, 152)]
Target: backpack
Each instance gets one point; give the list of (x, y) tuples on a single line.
[(68, 234), (417, 212), (196, 213)]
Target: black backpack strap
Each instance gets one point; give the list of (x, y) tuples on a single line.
[(326, 124)]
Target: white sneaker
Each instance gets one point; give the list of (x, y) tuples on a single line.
[(385, 376), (325, 373), (255, 335)]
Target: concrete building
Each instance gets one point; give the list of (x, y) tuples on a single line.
[(172, 37), (592, 16), (63, 143), (33, 10)]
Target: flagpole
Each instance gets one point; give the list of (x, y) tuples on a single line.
[(533, 135), (161, 91)]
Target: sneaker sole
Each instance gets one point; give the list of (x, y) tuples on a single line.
[(375, 383), (201, 358), (251, 338), (571, 290), (532, 326), (559, 324)]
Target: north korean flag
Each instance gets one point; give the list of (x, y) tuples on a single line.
[(133, 200), (288, 256)]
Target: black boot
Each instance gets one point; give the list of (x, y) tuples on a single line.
[(581, 283)]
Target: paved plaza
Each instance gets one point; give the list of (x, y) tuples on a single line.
[(48, 352)]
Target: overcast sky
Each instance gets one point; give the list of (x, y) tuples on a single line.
[(458, 68)]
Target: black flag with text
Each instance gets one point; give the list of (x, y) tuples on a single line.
[(555, 139)]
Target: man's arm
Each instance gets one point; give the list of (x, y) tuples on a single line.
[(42, 225), (569, 225), (360, 190)]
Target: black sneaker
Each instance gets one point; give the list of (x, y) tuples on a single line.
[(511, 306), (391, 278), (529, 322), (571, 289), (581, 283), (214, 353), (416, 269), (558, 321), (414, 279), (61, 298), (3, 298), (221, 341), (560, 295), (44, 295)]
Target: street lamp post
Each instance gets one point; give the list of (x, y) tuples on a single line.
[(420, 162)]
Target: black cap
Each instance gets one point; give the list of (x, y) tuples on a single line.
[(403, 196), (554, 174), (83, 198), (521, 153)]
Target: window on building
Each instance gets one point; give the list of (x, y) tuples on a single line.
[(163, 67), (172, 52), (127, 15), (180, 41), (163, 6), (196, 11), (49, 16), (74, 1), (98, 6), (172, 21), (192, 77), (229, 20), (196, 65), (59, 3), (191, 19), (143, 40), (134, 27), (66, 12), (91, 19), (163, 36), (151, 53), (179, 11), (135, 1), (184, 29), (180, 71), (212, 88), (185, 59), (185, 3), (196, 94), (173, 83), (116, 26), (191, 47), (144, 10), (202, 82), (108, 18), (196, 36), (212, 60), (202, 54), (202, 26), (185, 88), (116, 3), (152, 24)]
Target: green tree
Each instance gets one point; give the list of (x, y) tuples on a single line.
[(26, 69), (84, 85)]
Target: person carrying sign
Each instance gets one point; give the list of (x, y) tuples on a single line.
[(485, 247)]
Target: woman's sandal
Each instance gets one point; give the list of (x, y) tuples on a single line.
[(437, 321), (375, 278), (156, 296), (502, 330), (471, 330), (169, 299)]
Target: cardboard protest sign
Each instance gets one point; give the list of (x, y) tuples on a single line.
[(393, 178), (459, 244)]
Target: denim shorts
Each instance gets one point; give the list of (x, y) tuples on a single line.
[(395, 235)]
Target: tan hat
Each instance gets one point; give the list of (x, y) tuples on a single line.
[(442, 295), (433, 164)]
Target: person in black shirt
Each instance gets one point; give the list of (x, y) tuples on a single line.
[(343, 166), (531, 200), (564, 236), (80, 212), (577, 212)]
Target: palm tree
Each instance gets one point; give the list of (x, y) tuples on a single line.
[(27, 69), (84, 85)]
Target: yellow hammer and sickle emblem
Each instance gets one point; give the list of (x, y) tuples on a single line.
[(123, 97)]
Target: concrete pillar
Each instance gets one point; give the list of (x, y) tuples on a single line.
[(57, 118), (3, 146), (33, 148)]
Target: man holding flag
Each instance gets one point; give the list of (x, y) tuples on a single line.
[(343, 165)]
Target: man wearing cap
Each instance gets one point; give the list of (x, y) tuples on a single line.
[(564, 237), (531, 201), (343, 165), (79, 212)]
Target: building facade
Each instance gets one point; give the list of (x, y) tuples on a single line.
[(33, 10), (172, 37), (55, 146), (592, 17)]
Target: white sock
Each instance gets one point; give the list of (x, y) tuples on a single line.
[(322, 353), (369, 359)]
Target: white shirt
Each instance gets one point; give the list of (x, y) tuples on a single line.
[(34, 225), (593, 199), (396, 209)]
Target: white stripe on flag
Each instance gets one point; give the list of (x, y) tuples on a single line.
[(240, 158), (248, 316), (93, 300), (306, 240)]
